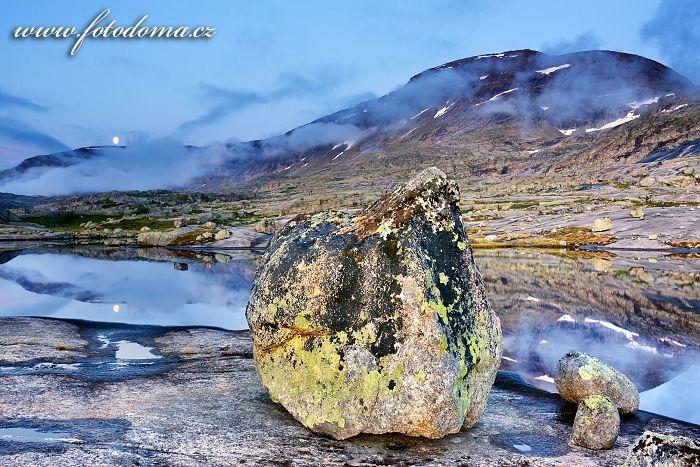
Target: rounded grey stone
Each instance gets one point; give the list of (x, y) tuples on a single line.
[(580, 375), (597, 423)]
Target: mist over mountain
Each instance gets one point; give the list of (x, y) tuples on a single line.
[(491, 113)]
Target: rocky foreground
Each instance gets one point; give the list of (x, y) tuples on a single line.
[(82, 393)]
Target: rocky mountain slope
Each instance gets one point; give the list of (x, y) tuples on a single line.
[(512, 123)]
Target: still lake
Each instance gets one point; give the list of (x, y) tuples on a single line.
[(640, 311)]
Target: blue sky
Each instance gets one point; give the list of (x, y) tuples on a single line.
[(274, 64)]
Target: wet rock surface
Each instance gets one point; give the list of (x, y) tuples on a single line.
[(656, 449), (377, 323), (201, 404), (580, 375), (597, 423)]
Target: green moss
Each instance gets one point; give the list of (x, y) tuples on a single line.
[(597, 402), (593, 369), (443, 278), (439, 309), (462, 246), (68, 221), (315, 376)]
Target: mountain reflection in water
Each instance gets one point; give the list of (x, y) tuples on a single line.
[(133, 286), (639, 311)]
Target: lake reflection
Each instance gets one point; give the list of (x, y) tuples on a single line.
[(210, 290), (640, 311)]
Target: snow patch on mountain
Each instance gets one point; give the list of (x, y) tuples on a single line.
[(668, 111), (347, 144), (627, 118), (637, 104), (568, 132), (443, 111), (501, 55), (496, 97), (628, 334), (420, 113), (552, 69)]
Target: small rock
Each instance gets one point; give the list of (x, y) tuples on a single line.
[(266, 226), (655, 449), (222, 235), (653, 237), (601, 264), (181, 266), (145, 228), (601, 224), (180, 222), (597, 423), (209, 225), (198, 238), (580, 375), (647, 182), (207, 236), (637, 213)]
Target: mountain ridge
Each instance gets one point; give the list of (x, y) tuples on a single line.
[(480, 114)]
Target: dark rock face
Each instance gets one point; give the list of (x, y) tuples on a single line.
[(597, 423), (655, 449), (580, 375), (377, 323)]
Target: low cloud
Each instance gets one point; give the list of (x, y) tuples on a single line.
[(675, 30), (224, 102), (587, 40), (19, 140), (148, 165), (8, 101)]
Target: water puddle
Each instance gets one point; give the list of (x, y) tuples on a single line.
[(133, 351), (128, 350), (30, 435)]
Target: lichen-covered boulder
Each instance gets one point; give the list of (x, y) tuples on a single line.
[(655, 449), (580, 375), (266, 226), (597, 423), (377, 323)]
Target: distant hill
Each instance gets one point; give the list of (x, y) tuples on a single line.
[(518, 119)]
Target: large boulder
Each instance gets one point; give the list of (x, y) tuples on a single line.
[(377, 323), (580, 375), (597, 423), (656, 449)]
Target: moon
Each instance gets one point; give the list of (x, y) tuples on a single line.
[(115, 140), (115, 308)]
